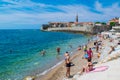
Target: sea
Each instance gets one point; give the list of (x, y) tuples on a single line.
[(20, 51)]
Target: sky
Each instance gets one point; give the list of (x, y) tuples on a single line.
[(31, 14)]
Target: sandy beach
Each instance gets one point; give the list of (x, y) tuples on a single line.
[(106, 62), (58, 73), (107, 54)]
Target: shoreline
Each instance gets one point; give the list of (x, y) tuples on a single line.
[(40, 75), (59, 70)]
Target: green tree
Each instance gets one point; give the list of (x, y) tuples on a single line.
[(103, 23), (112, 23), (97, 22)]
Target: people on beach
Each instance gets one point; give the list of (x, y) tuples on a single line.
[(85, 47), (87, 68), (95, 43), (58, 50), (112, 49), (98, 54), (67, 63), (97, 47), (79, 48), (90, 54), (85, 56), (43, 52)]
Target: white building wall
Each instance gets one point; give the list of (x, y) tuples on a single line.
[(119, 20)]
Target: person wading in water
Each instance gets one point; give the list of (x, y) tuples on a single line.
[(58, 50)]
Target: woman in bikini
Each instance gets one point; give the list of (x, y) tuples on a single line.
[(67, 63), (87, 68)]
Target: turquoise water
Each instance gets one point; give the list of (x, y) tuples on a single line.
[(20, 51)]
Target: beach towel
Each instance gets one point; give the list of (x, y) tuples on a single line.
[(99, 69)]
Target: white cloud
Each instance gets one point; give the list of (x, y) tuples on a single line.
[(109, 11), (16, 12)]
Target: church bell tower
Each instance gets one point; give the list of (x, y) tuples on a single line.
[(77, 18)]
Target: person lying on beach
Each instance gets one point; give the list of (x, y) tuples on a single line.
[(67, 63)]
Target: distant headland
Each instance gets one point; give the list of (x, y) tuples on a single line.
[(82, 27)]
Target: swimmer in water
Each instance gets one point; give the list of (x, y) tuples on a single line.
[(43, 52)]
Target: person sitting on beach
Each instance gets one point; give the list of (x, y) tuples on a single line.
[(67, 63), (87, 68), (98, 54)]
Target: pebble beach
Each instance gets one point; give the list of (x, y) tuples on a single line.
[(58, 73), (106, 59)]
